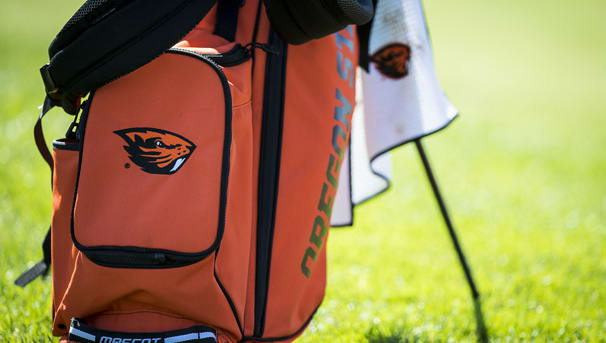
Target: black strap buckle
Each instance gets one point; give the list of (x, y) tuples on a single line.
[(49, 84)]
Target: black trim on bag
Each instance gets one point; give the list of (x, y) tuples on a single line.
[(61, 144), (80, 332), (284, 338), (232, 306), (139, 257), (269, 173), (235, 56)]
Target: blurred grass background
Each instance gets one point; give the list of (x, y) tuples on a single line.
[(523, 171)]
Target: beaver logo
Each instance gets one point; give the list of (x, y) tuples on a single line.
[(392, 60), (156, 151)]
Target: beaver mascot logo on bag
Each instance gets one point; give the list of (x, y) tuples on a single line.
[(392, 60), (156, 151)]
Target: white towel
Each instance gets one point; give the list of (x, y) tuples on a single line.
[(399, 100)]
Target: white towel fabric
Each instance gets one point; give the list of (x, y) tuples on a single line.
[(392, 108)]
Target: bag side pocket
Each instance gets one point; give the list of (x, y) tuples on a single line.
[(65, 152)]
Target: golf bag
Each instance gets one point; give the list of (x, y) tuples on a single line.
[(192, 193)]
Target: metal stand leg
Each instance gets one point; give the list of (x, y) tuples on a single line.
[(480, 325)]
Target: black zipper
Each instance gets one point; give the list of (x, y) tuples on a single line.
[(269, 172), (235, 56), (138, 257), (63, 144)]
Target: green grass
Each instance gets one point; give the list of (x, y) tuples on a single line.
[(523, 171)]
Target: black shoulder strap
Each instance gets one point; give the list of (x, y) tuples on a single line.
[(109, 38), (41, 268), (39, 137), (227, 18)]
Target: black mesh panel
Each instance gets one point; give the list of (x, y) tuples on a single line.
[(90, 12)]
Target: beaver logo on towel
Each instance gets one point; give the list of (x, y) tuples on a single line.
[(392, 60), (156, 151)]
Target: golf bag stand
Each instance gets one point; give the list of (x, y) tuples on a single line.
[(475, 294)]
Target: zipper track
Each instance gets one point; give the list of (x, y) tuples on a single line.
[(269, 173), (235, 56)]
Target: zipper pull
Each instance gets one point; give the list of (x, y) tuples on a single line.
[(265, 47)]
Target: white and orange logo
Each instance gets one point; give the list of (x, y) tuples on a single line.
[(156, 151)]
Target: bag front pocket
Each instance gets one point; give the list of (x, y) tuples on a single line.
[(154, 168), (165, 158)]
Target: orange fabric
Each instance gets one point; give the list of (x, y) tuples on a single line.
[(188, 200), (119, 204), (63, 251), (305, 191)]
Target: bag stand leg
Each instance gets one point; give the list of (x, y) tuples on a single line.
[(480, 325)]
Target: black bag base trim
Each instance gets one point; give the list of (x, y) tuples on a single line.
[(80, 332)]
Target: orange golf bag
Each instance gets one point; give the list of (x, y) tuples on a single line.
[(192, 193)]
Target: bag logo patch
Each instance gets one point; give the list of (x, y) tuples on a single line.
[(392, 60), (156, 151)]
